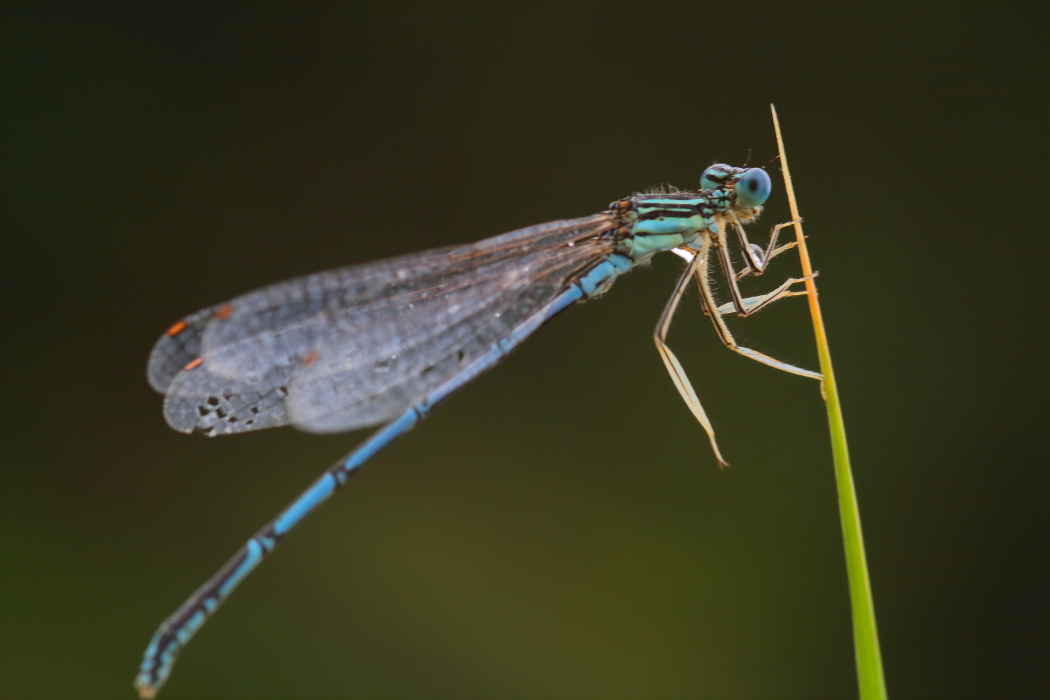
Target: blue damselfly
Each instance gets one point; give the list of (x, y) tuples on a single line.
[(385, 342)]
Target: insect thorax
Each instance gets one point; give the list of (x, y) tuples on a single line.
[(656, 222)]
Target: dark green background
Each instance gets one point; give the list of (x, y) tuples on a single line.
[(559, 529)]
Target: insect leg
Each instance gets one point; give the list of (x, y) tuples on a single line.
[(757, 259), (674, 367), (752, 304), (712, 309), (757, 303)]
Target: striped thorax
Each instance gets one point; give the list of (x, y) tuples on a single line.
[(658, 221)]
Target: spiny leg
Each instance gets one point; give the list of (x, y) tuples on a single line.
[(674, 367), (757, 259), (711, 308), (750, 303), (757, 303)]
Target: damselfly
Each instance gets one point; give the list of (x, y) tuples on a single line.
[(389, 340)]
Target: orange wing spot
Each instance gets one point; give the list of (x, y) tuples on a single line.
[(193, 365), (311, 357), (223, 312), (177, 328)]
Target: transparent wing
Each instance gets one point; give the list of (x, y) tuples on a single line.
[(355, 346), (359, 379), (199, 400), (177, 348)]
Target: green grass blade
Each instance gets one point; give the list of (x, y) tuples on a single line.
[(865, 635)]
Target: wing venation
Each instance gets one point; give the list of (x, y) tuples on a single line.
[(355, 346)]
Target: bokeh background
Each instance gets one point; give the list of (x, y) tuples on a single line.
[(559, 529)]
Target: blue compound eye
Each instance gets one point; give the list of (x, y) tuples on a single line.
[(753, 187), (716, 177)]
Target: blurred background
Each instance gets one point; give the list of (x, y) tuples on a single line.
[(559, 529)]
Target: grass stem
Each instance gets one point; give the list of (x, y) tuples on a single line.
[(865, 635)]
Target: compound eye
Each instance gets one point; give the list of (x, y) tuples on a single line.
[(716, 177), (753, 187)]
